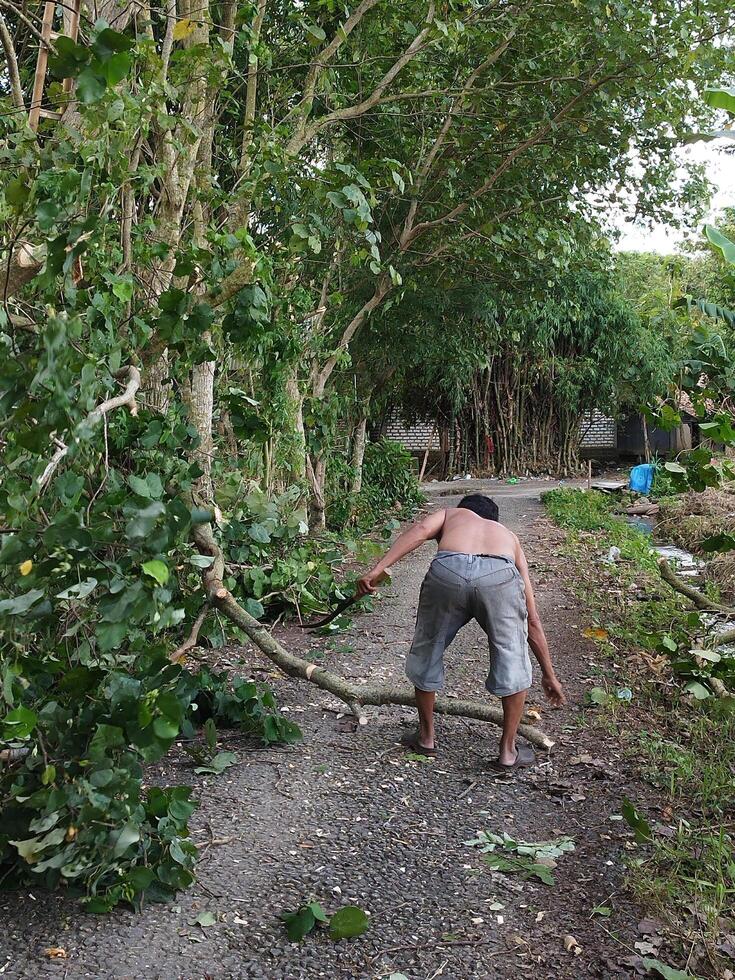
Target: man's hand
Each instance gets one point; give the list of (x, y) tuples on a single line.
[(553, 690), (369, 583)]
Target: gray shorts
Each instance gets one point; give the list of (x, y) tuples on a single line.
[(457, 589)]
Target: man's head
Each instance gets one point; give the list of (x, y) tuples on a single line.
[(481, 505)]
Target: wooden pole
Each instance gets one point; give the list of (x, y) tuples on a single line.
[(41, 64), (428, 450)]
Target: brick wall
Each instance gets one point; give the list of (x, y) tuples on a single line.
[(414, 437), (598, 431)]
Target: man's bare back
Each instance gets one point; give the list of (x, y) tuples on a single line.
[(466, 532)]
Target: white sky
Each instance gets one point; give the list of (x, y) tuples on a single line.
[(664, 239)]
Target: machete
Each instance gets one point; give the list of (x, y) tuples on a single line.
[(342, 606)]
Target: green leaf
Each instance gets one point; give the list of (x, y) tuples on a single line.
[(201, 561), (221, 761), (157, 569), (598, 695), (642, 828), (140, 878), (108, 43), (139, 486), (68, 58), (259, 533), (48, 775), (724, 246), (720, 98), (129, 835), (299, 924), (17, 193), (123, 289), (254, 607), (117, 68), (667, 972), (709, 655), (349, 922), (90, 86), (19, 723), (697, 690), (674, 467), (21, 603), (80, 591), (319, 913), (142, 524), (165, 728), (316, 32), (205, 919)]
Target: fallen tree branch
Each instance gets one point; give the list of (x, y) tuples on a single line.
[(718, 687), (722, 639), (694, 595), (355, 696), (126, 398), (191, 641)]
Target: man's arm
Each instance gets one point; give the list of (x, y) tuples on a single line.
[(416, 535), (536, 636)]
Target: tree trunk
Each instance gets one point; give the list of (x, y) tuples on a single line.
[(201, 407), (296, 457), (317, 473), (359, 441)]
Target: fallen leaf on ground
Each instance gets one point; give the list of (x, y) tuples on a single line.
[(667, 972), (603, 910), (205, 919), (55, 953), (647, 926), (645, 947), (595, 633)]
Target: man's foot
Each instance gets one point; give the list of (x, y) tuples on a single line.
[(524, 757), (412, 740)]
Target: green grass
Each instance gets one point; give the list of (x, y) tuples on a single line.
[(687, 751), (580, 510)]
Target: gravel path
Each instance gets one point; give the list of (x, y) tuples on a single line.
[(346, 818)]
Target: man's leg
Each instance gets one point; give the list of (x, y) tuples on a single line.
[(425, 704), (512, 714)]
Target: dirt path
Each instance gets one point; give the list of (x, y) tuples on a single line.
[(346, 818)]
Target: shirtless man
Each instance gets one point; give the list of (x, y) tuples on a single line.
[(479, 572)]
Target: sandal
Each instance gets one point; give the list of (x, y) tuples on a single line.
[(525, 757), (410, 740)]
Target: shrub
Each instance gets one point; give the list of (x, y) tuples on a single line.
[(389, 486)]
